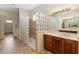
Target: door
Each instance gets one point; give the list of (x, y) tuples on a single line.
[(58, 45), (70, 46), (8, 27), (48, 42)]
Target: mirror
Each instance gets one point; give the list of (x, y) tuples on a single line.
[(70, 24)]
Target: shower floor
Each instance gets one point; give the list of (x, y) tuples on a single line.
[(32, 43)]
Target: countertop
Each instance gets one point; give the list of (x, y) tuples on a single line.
[(70, 36)]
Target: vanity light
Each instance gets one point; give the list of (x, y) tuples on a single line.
[(63, 10), (67, 18)]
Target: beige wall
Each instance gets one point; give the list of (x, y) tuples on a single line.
[(1, 27)]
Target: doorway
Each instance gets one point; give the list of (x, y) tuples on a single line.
[(8, 27)]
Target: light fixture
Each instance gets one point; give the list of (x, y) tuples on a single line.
[(63, 10), (8, 21)]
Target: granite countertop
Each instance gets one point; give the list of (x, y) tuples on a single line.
[(70, 36)]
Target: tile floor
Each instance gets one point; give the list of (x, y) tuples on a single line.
[(9, 45), (32, 43)]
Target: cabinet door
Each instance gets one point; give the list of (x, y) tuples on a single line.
[(70, 46), (48, 42), (58, 45)]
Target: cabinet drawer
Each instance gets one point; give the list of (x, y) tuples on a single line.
[(47, 37), (48, 40)]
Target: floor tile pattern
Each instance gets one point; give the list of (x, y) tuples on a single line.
[(9, 45)]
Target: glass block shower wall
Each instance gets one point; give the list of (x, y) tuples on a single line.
[(24, 29), (42, 22)]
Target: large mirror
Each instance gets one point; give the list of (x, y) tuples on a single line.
[(70, 24)]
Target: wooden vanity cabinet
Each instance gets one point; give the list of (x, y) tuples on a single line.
[(60, 45), (53, 44), (70, 46)]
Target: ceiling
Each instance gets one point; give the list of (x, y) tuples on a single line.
[(14, 7), (29, 7)]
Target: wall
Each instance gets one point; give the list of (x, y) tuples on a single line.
[(1, 27), (13, 16)]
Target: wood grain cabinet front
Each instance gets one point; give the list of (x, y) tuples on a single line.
[(53, 44), (60, 45), (48, 42), (70, 46)]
